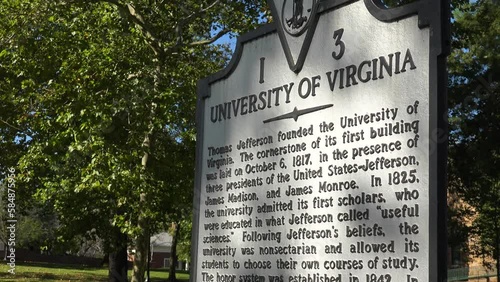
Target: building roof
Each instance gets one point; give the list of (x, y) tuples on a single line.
[(162, 239)]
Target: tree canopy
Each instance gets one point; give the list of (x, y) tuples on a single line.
[(474, 67), (97, 109), (98, 106)]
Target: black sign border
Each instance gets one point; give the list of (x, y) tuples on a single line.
[(434, 14)]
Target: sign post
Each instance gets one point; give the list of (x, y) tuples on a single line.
[(322, 148)]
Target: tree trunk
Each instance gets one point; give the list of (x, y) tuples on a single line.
[(5, 252), (5, 245), (117, 269), (141, 248), (105, 259), (497, 245), (173, 253), (148, 277), (142, 240)]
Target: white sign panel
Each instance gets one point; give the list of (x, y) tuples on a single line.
[(317, 153)]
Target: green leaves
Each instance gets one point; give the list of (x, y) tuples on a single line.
[(85, 83), (474, 67)]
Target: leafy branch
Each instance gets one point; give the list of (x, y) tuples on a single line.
[(10, 125), (154, 41)]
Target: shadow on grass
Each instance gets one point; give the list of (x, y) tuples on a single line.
[(32, 276), (52, 272), (59, 266), (58, 272)]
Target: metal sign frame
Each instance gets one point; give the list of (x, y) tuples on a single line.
[(432, 14)]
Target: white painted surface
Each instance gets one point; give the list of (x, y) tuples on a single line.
[(366, 39)]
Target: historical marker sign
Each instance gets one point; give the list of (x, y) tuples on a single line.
[(321, 148)]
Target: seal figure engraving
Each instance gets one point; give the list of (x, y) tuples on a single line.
[(296, 15)]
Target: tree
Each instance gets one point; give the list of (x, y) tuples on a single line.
[(474, 120), (102, 92), (184, 241), (4, 235), (179, 212)]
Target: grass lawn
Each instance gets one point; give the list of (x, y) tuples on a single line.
[(56, 272)]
